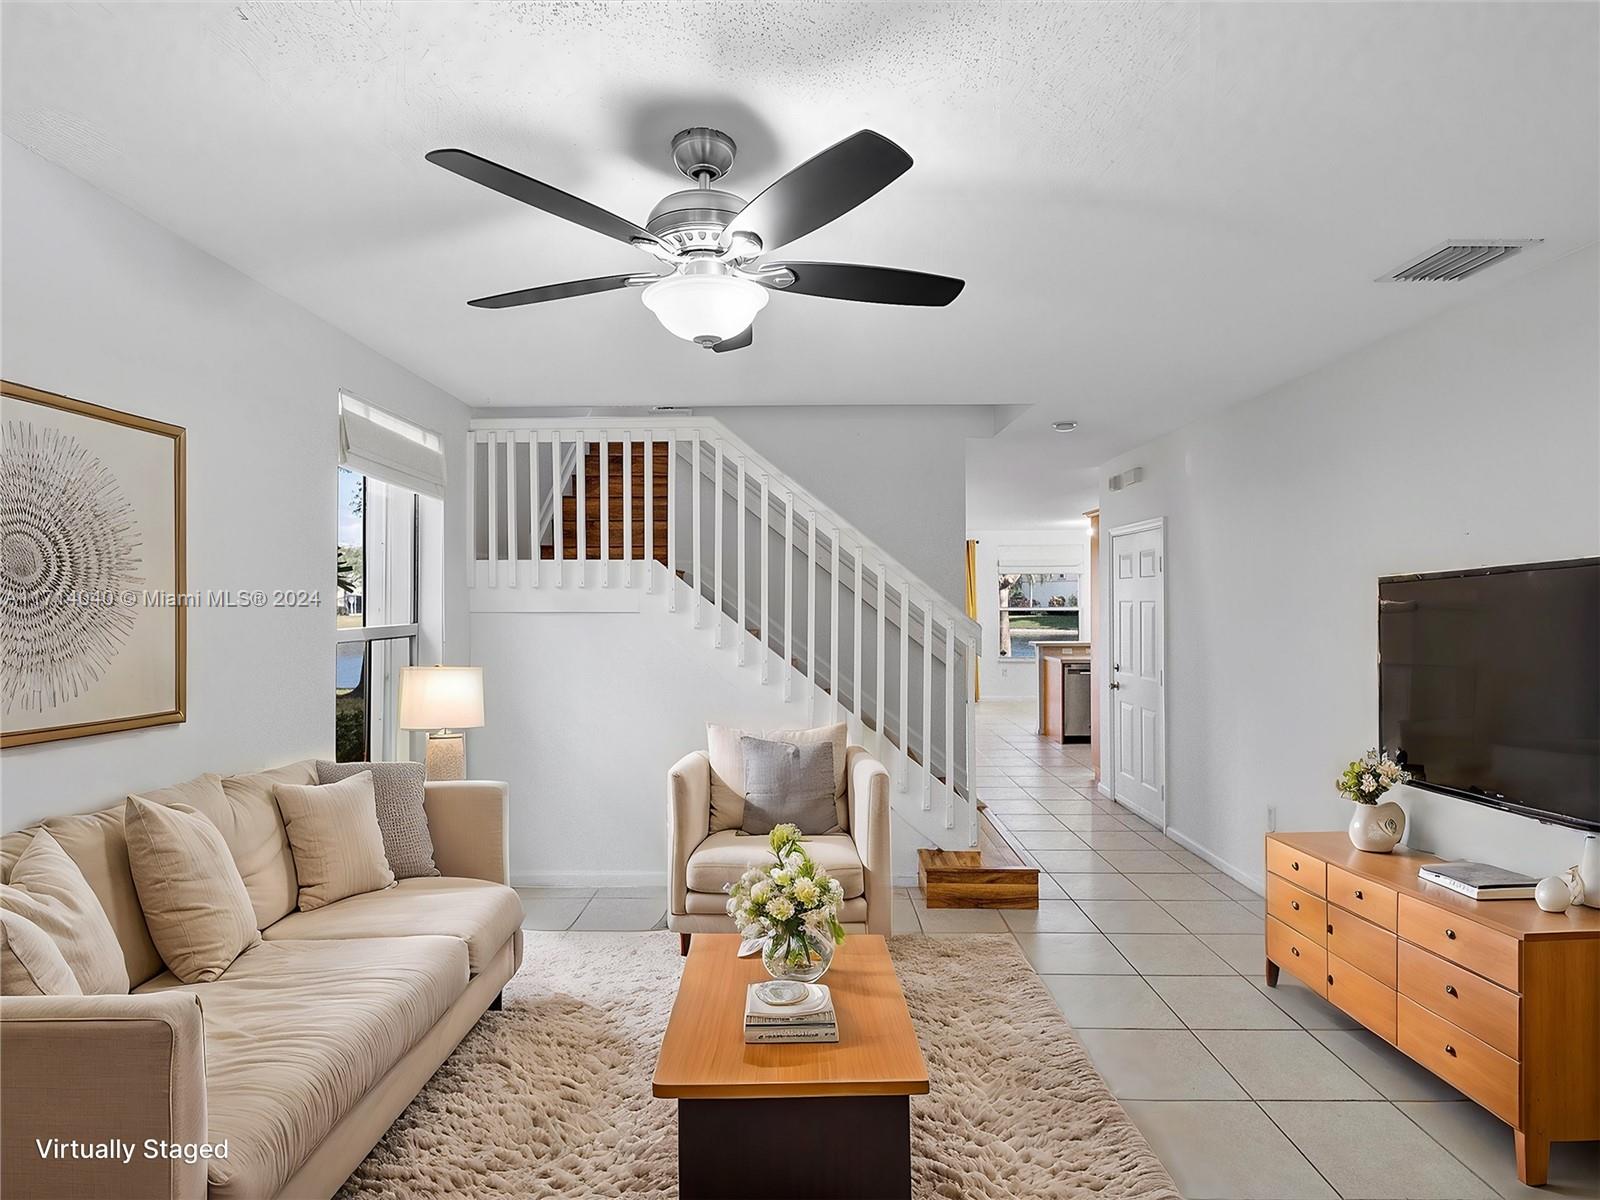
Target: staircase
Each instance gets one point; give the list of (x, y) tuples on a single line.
[(682, 506)]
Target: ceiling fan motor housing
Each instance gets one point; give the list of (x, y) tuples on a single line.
[(694, 218)]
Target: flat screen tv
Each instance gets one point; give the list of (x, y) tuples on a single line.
[(1489, 685)]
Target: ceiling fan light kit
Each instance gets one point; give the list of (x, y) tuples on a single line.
[(711, 238)]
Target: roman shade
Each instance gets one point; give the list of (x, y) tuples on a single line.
[(386, 447)]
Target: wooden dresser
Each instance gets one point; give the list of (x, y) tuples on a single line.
[(1498, 999)]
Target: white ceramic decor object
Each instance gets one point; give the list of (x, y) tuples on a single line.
[(1589, 871), (1377, 828), (1554, 894)]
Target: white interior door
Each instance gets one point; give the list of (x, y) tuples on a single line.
[(1138, 600)]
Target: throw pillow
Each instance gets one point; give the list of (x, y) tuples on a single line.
[(194, 901), (47, 889), (30, 963), (786, 783), (338, 847), (727, 768), (398, 788)]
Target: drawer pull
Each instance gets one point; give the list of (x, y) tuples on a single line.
[(1449, 989), (1451, 934), (1295, 950), (1294, 866), (1330, 978), (1450, 1050), (1359, 896), (1295, 904), (1330, 926)]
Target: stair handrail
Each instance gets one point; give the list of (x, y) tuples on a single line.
[(950, 613)]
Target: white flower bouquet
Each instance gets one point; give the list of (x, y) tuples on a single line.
[(1370, 776), (792, 907)]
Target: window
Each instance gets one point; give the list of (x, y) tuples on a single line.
[(1037, 606), (376, 613)]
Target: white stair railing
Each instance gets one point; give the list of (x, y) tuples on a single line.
[(560, 518)]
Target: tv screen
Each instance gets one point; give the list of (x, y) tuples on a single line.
[(1489, 685)]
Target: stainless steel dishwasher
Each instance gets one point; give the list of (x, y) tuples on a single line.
[(1076, 690)]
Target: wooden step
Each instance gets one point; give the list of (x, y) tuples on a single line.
[(992, 876)]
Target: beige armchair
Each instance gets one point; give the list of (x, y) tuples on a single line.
[(701, 863)]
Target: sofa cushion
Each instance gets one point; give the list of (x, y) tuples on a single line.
[(45, 887), (727, 768), (31, 963), (267, 865), (338, 847), (400, 790), (248, 820), (788, 784), (718, 861), (480, 913), (297, 1032), (193, 899)]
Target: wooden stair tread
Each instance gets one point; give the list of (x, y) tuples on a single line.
[(992, 876)]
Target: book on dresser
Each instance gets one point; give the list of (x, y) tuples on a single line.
[(810, 1020), (1479, 881)]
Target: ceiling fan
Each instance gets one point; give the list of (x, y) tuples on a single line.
[(711, 238)]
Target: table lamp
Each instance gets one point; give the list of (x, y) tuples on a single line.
[(442, 700)]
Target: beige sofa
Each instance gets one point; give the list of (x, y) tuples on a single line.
[(701, 864), (300, 1055)]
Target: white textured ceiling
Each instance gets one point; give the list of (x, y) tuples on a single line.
[(1158, 208)]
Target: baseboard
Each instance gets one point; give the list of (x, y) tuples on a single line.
[(592, 879), (1256, 883)]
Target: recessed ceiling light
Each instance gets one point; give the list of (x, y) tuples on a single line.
[(1064, 426)]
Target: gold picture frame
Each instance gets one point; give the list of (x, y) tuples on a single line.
[(85, 506)]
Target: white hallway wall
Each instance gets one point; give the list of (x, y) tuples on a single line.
[(1003, 678), (103, 305), (1469, 440)]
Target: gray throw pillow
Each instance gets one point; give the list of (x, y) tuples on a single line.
[(788, 783), (397, 788)]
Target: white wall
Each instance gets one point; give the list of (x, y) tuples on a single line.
[(1471, 439), (588, 710), (103, 305), (1003, 678)]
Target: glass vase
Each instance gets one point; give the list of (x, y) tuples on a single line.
[(804, 956)]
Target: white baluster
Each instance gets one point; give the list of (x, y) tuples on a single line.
[(534, 529), (764, 534), (927, 703), (472, 509), (672, 520), (580, 520), (605, 508), (788, 595), (969, 754), (855, 638), (627, 508), (739, 625), (905, 688), (649, 510), (950, 676), (880, 714), (719, 499), (835, 700), (493, 450), (695, 489), (811, 607), (558, 520), (513, 508)]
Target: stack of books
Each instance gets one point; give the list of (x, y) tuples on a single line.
[(1479, 881), (809, 1020)]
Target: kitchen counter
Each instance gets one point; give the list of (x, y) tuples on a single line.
[(1054, 657)]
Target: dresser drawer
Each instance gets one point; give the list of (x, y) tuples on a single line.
[(1362, 996), (1300, 910), (1361, 944), (1303, 958), (1460, 1059), (1492, 955), (1481, 1008), (1363, 897), (1301, 869)]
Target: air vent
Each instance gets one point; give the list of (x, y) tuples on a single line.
[(1456, 260)]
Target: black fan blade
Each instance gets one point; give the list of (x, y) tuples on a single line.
[(737, 342), (822, 188), (873, 285), (540, 195), (554, 291)]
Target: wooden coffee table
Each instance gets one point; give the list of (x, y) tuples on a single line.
[(806, 1120)]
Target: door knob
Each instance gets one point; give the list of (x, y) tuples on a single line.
[(1115, 685)]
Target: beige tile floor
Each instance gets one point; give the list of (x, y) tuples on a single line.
[(1245, 1092)]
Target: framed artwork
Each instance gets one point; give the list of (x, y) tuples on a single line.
[(93, 608)]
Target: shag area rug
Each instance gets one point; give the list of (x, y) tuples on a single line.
[(551, 1096)]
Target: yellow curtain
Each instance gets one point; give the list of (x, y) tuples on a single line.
[(972, 602)]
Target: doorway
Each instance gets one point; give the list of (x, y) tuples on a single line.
[(1138, 669)]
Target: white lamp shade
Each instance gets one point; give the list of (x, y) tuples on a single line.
[(441, 697), (705, 308)]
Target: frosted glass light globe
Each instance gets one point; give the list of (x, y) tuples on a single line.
[(705, 308)]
